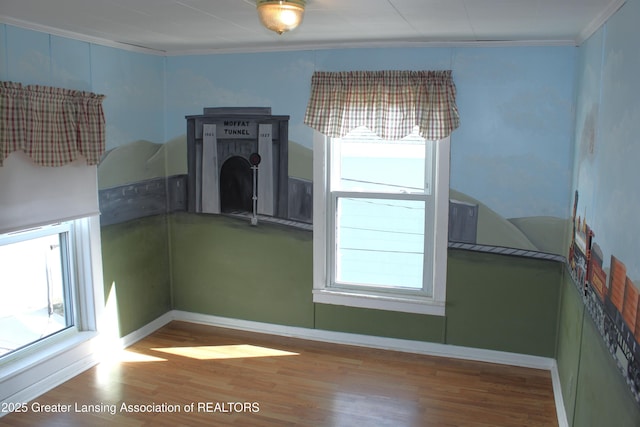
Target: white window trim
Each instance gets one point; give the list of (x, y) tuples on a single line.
[(35, 369), (324, 294)]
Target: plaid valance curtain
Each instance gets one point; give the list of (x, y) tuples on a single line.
[(53, 126), (389, 103)]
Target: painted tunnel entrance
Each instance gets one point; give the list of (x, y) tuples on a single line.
[(236, 185)]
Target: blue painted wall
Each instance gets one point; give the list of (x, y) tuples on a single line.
[(511, 152), (132, 82)]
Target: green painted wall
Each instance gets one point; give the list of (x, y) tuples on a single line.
[(603, 397), (594, 392), (135, 258), (502, 303), (570, 321), (380, 323), (225, 267)]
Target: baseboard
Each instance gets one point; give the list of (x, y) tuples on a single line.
[(408, 346), (147, 329), (563, 421)]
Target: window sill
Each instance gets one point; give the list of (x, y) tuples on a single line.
[(379, 302), (30, 357)]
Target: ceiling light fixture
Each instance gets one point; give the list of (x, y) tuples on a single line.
[(280, 15)]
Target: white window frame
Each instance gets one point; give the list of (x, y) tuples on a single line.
[(68, 279), (33, 369), (80, 273), (323, 220)]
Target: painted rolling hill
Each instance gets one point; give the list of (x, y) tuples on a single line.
[(144, 160)]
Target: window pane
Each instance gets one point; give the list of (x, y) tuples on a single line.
[(366, 163), (380, 242), (32, 283)]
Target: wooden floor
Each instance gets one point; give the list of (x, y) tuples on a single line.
[(195, 375)]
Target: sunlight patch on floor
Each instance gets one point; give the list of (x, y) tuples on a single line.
[(225, 351), (132, 356)]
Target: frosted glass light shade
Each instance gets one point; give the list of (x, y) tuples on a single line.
[(280, 15)]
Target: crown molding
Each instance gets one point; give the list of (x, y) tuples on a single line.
[(589, 30), (78, 36), (599, 21), (373, 45), (283, 48)]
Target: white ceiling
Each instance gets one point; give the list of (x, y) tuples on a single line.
[(175, 27)]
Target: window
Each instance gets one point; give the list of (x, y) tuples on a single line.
[(381, 241), (51, 141), (44, 272), (36, 286), (380, 208)]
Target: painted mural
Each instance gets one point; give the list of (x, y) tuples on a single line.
[(132, 169), (507, 157), (604, 249), (611, 297), (516, 114), (512, 138), (510, 158)]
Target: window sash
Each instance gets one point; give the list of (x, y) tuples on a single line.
[(65, 233), (33, 233), (335, 176), (426, 288), (367, 141)]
